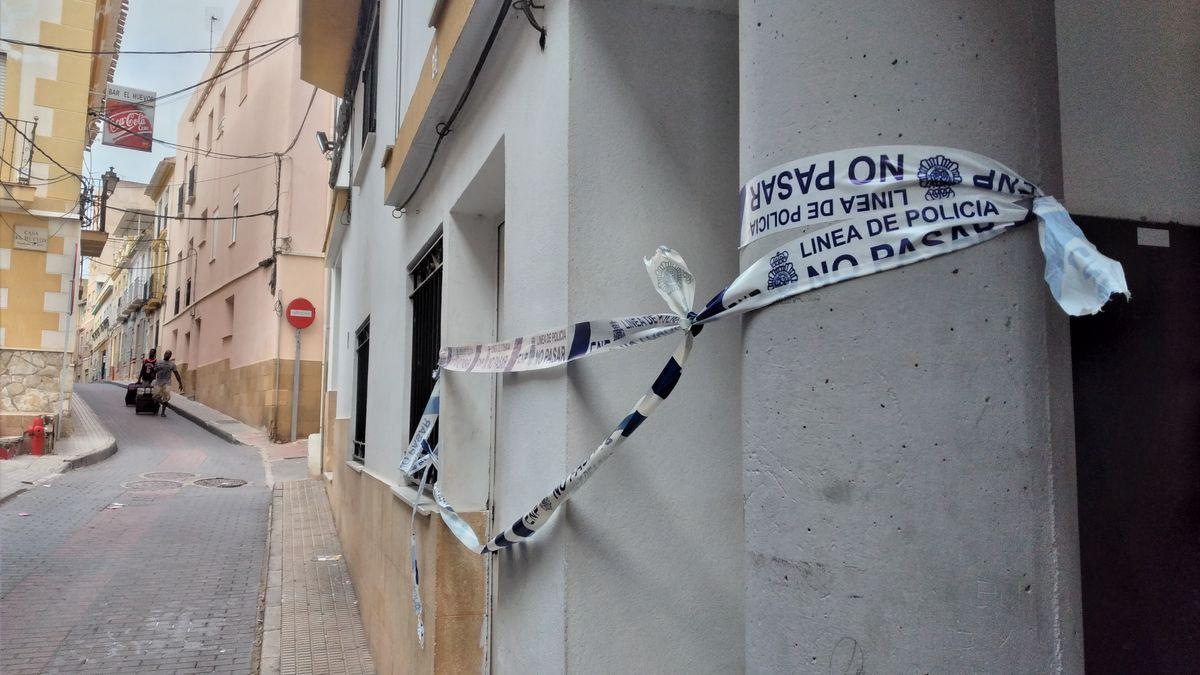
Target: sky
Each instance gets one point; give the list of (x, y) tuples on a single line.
[(160, 25)]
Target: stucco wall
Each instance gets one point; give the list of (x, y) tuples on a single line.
[(580, 210), (650, 545), (1130, 101)]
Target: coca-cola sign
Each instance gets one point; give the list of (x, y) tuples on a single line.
[(128, 118)]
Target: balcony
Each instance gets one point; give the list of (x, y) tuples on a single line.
[(16, 158), (134, 296), (154, 291)]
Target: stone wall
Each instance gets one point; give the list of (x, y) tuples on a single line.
[(29, 382), (372, 524), (248, 393)]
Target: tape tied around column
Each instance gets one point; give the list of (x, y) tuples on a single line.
[(966, 199)]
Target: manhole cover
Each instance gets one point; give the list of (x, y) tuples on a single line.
[(169, 475), (153, 485), (220, 482)]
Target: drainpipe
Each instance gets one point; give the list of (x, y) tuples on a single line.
[(324, 372), (59, 425)]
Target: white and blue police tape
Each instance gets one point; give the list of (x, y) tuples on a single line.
[(865, 233), (554, 348), (419, 454), (908, 183), (1080, 278)]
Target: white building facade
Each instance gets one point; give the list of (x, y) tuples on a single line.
[(769, 518)]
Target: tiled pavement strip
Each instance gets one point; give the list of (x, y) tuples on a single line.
[(169, 580), (89, 443), (312, 618)]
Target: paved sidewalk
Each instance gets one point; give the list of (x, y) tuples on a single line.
[(90, 443), (312, 622)]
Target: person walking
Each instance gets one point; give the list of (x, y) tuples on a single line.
[(146, 375), (162, 381)]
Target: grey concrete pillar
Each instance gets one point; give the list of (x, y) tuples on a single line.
[(909, 460)]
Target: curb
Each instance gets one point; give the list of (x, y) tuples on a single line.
[(203, 424), (18, 491), (76, 462), (90, 458)]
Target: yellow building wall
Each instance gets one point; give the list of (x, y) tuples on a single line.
[(58, 99)]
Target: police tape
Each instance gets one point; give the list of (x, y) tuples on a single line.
[(1080, 278), (906, 183)]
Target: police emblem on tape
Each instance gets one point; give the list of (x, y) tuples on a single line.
[(670, 277), (782, 272), (939, 174)]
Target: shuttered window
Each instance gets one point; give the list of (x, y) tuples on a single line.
[(3, 76)]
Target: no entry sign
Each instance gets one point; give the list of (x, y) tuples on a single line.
[(301, 313)]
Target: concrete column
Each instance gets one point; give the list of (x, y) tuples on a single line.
[(909, 454)]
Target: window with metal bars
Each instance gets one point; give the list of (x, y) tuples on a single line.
[(426, 336), (362, 353)]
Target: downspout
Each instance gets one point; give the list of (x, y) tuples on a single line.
[(324, 372), (274, 261)]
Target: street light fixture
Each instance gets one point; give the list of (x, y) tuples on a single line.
[(108, 184)]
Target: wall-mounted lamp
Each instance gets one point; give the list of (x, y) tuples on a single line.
[(327, 146)]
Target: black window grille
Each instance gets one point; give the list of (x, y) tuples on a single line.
[(179, 209), (426, 336), (192, 181), (362, 354), (176, 300), (370, 80), (187, 296)]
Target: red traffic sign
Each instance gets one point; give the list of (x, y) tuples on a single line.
[(301, 313)]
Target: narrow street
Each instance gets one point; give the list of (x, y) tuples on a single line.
[(128, 566)]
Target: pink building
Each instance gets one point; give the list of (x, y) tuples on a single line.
[(247, 226)]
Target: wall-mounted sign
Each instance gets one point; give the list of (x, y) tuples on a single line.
[(128, 118), (30, 238)]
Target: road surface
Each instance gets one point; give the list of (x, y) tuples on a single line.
[(109, 573)]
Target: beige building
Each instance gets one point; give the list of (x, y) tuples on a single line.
[(44, 98), (246, 237)]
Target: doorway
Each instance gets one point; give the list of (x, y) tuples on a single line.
[(1136, 368)]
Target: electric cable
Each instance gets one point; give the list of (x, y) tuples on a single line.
[(103, 52), (239, 216), (443, 128), (271, 49)]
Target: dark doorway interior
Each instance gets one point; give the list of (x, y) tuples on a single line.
[(1137, 429)]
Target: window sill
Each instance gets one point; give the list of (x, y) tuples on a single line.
[(405, 493), (408, 494)]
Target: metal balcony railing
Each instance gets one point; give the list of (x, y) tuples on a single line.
[(16, 150)]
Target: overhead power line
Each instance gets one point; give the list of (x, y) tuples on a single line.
[(217, 154), (12, 123), (268, 49), (240, 216), (102, 52)]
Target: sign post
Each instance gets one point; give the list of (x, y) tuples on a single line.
[(300, 313)]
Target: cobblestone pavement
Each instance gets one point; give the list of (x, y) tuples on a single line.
[(166, 582)]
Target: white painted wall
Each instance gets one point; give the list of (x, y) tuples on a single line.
[(1129, 90), (650, 553)]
